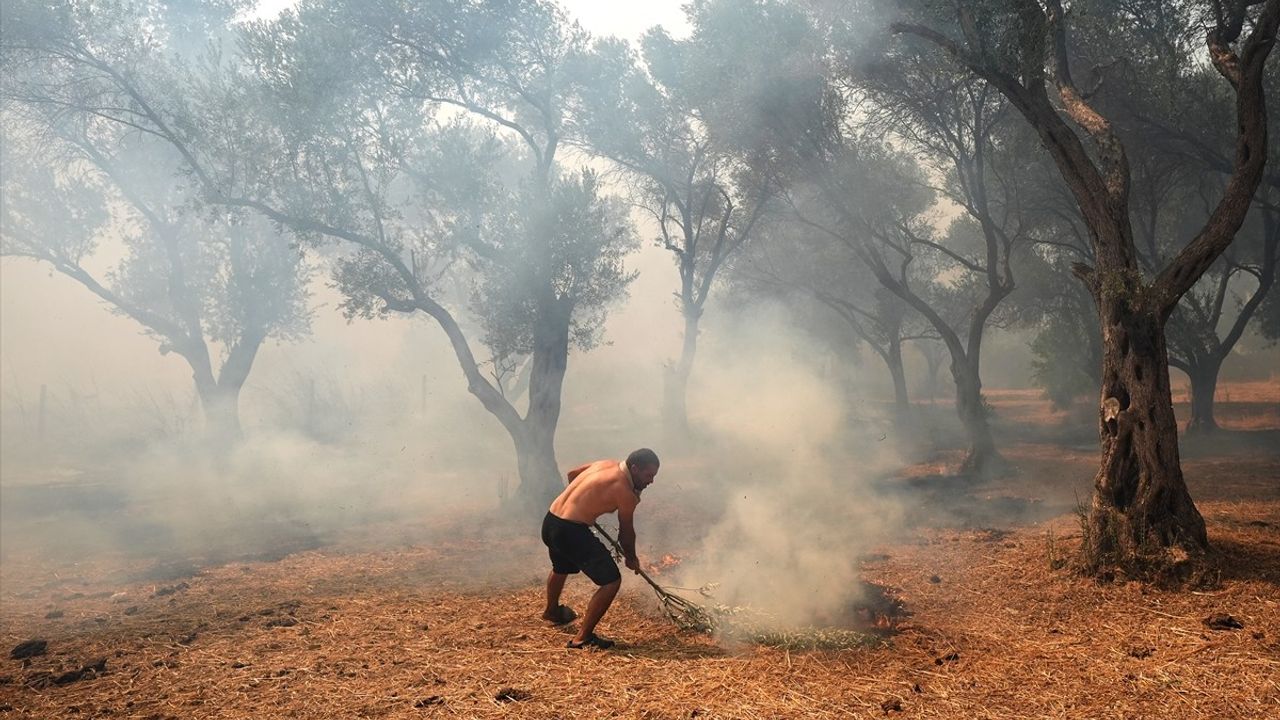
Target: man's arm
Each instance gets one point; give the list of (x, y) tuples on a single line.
[(627, 530)]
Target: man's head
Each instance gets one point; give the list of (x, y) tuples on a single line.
[(643, 465)]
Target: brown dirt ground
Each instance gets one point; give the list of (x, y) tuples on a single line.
[(359, 629)]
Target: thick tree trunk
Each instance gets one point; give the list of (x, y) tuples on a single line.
[(219, 401), (1204, 384), (224, 413), (221, 407), (220, 396), (675, 412), (540, 480), (1142, 520), (534, 436), (981, 457)]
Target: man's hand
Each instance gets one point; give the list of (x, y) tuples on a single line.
[(633, 564)]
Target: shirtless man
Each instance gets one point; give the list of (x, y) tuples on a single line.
[(594, 489)]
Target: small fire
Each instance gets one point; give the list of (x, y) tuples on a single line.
[(665, 562)]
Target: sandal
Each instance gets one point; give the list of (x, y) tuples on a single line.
[(562, 616), (593, 640)]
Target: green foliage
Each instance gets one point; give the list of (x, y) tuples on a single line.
[(562, 255), (187, 277), (45, 213), (641, 112), (772, 104), (423, 138), (1061, 362)]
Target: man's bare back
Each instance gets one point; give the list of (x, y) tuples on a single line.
[(595, 489)]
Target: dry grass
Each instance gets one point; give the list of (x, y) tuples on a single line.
[(1237, 405), (1236, 391), (448, 628), (386, 634)]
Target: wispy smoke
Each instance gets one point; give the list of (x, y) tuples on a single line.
[(794, 463)]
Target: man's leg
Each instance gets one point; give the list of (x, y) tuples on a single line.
[(600, 602), (555, 586)]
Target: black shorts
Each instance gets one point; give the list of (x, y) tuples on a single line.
[(574, 548)]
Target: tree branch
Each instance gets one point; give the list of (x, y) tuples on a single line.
[(1250, 159)]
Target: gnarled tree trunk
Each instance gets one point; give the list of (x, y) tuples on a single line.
[(1141, 517)]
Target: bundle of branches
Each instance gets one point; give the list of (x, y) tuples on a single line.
[(684, 613)]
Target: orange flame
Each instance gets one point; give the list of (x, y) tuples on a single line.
[(665, 562)]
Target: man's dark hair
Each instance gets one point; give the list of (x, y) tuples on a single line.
[(644, 457)]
